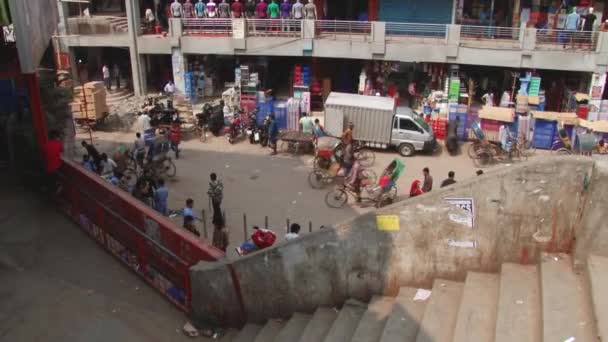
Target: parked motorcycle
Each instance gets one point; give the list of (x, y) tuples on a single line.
[(236, 129), (253, 131), (263, 132)]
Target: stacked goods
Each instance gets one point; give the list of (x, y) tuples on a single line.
[(89, 102), (439, 128), (460, 112)]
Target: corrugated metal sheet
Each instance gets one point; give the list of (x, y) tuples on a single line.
[(371, 115), (416, 11), (497, 113)]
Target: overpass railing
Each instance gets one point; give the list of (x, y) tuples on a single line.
[(489, 32), (145, 241), (274, 27), (581, 40), (208, 27), (416, 30), (339, 29)]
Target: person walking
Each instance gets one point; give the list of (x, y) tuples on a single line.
[(161, 196), (216, 194), (427, 185), (105, 73), (273, 132), (220, 238), (175, 138), (450, 180), (116, 75), (139, 149)]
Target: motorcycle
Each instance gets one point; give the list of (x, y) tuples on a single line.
[(263, 132), (236, 129), (253, 130)]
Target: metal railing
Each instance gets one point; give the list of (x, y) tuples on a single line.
[(274, 27), (586, 40), (207, 26), (489, 32), (416, 30), (343, 29)]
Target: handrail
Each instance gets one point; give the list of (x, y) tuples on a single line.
[(207, 26), (489, 32), (274, 27), (341, 28), (416, 30), (586, 40)]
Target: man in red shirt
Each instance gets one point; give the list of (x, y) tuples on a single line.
[(175, 137), (52, 153), (237, 9)]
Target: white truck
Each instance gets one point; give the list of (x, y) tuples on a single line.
[(379, 123)]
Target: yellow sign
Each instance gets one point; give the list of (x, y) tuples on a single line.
[(387, 222)]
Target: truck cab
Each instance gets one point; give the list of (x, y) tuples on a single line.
[(411, 133)]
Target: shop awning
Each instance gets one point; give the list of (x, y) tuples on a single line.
[(595, 126), (567, 118), (497, 113)]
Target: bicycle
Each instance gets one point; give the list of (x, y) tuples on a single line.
[(320, 178), (338, 197)]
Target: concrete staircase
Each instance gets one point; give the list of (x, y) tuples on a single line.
[(114, 97), (118, 24), (549, 302)]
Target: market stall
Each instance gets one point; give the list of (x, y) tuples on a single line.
[(545, 127), (492, 118)]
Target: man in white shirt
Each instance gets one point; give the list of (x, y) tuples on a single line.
[(105, 71), (143, 123), (169, 89)]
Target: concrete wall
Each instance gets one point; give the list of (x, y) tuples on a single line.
[(519, 212), (593, 226)]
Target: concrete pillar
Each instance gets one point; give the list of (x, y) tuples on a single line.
[(453, 40), (175, 27), (378, 37), (63, 12), (527, 38), (132, 7), (238, 34), (602, 44), (308, 29), (178, 63)]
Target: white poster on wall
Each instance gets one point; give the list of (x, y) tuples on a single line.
[(466, 214)]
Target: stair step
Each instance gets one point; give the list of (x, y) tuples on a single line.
[(270, 330), (477, 313), (565, 308), (293, 329), (345, 324), (374, 319), (519, 316), (248, 333), (404, 321), (440, 316), (597, 266), (319, 325)]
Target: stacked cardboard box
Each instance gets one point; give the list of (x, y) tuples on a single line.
[(94, 95)]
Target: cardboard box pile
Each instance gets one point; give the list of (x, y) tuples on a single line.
[(96, 106)]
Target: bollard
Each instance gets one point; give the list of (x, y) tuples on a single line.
[(244, 227), (287, 226), (310, 226), (203, 218), (224, 217), (265, 222)]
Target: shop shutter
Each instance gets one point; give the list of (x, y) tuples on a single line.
[(416, 11)]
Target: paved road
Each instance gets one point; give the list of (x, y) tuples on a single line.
[(259, 185)]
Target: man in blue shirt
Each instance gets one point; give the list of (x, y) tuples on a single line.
[(273, 132), (161, 195), (188, 210)]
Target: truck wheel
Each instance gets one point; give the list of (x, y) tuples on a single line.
[(406, 150)]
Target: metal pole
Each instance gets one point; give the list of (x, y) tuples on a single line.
[(244, 227), (265, 222), (203, 217), (287, 225), (492, 13), (310, 226)]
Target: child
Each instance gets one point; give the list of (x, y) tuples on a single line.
[(261, 238)]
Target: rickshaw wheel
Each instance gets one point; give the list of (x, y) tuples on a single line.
[(483, 159), (336, 198)]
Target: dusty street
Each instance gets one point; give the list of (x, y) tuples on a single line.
[(258, 185)]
